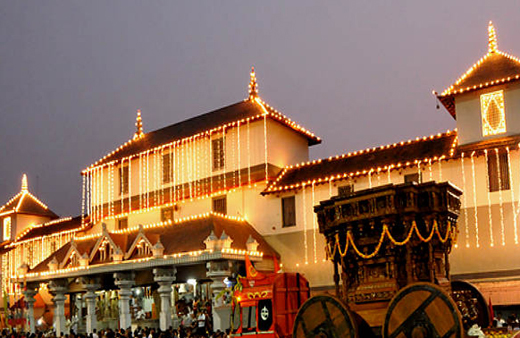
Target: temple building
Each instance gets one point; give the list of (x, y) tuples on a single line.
[(192, 201)]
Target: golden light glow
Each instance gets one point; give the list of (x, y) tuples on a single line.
[(493, 113), (139, 126), (493, 45), (7, 228)]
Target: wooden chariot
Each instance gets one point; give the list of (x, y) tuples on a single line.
[(390, 248)]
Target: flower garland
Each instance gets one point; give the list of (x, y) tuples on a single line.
[(451, 232)]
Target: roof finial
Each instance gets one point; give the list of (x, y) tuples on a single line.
[(25, 186), (253, 86), (139, 125), (492, 38)]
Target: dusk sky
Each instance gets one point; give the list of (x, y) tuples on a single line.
[(356, 73)]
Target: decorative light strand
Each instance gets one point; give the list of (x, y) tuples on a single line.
[(512, 190), (500, 199), (140, 181), (129, 184), (225, 156), (305, 241), (265, 156), (492, 241), (171, 179), (89, 193), (102, 183), (248, 156), (239, 156), (464, 200), (475, 209), (314, 227), (82, 200)]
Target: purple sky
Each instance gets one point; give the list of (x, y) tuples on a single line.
[(356, 73)]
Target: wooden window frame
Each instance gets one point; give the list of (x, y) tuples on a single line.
[(215, 207), (493, 171), (288, 217)]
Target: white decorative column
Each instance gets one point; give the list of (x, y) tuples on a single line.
[(124, 281), (90, 298), (58, 289), (165, 278), (29, 298), (217, 271)]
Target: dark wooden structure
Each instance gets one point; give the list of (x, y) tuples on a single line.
[(383, 239)]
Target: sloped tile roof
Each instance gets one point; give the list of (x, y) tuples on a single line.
[(360, 163), (250, 109), (187, 236), (26, 203), (52, 227), (494, 68)]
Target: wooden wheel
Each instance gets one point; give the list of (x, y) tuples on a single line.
[(324, 316), (471, 304), (422, 310)]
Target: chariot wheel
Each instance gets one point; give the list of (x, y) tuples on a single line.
[(326, 316), (422, 310)]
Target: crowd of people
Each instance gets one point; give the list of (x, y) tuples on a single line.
[(182, 332)]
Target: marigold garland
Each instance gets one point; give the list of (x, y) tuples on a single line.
[(331, 252)]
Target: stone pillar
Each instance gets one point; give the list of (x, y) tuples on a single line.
[(29, 298), (217, 271), (90, 298), (58, 289), (165, 278), (124, 281)]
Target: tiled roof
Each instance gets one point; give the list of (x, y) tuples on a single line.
[(26, 203), (374, 160), (52, 227), (494, 68), (184, 237), (247, 110)]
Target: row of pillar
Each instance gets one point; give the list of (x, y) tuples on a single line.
[(124, 281)]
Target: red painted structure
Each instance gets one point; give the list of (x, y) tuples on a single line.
[(267, 306)]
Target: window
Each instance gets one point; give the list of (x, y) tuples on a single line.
[(167, 214), (220, 205), (493, 113), (412, 178), (122, 223), (7, 228), (123, 180), (217, 146), (498, 171), (346, 190), (167, 168), (288, 211)]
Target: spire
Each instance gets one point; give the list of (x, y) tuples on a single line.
[(25, 186), (139, 125), (253, 86), (493, 45)]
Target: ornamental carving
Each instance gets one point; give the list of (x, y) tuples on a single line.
[(388, 237)]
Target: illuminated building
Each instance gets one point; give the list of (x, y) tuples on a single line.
[(200, 194)]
